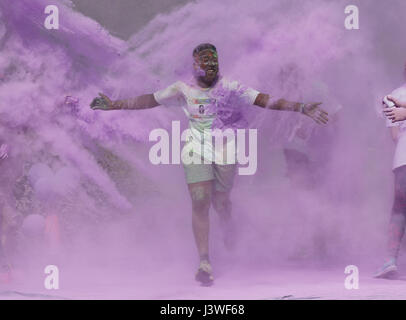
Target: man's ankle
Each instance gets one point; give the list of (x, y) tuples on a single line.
[(204, 257), (391, 259)]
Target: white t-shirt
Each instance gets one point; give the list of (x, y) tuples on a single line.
[(218, 107), (399, 158)]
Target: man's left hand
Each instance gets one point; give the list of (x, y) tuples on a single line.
[(313, 111)]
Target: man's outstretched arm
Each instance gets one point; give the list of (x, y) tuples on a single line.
[(144, 101), (311, 110)]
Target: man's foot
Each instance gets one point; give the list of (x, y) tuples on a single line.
[(204, 274), (388, 271)]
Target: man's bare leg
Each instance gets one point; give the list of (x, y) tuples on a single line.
[(200, 193), (222, 205)]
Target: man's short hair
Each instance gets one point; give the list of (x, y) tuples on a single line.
[(203, 46)]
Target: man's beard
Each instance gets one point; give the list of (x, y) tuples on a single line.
[(209, 80)]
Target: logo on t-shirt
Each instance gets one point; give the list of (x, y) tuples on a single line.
[(201, 109), (204, 101)]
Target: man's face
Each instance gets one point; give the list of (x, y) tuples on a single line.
[(206, 61)]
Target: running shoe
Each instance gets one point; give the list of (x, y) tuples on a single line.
[(388, 271), (204, 273)]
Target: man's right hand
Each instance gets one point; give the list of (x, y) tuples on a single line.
[(102, 103)]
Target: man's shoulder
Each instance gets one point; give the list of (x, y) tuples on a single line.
[(229, 83), (180, 83), (185, 85), (180, 86)]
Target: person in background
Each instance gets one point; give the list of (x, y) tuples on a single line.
[(4, 265), (395, 111)]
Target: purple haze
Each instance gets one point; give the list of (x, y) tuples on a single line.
[(126, 223)]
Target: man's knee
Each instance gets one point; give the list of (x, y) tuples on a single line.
[(201, 206), (399, 204), (222, 203), (200, 199), (398, 212)]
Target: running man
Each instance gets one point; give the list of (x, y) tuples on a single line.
[(396, 117), (209, 101)]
